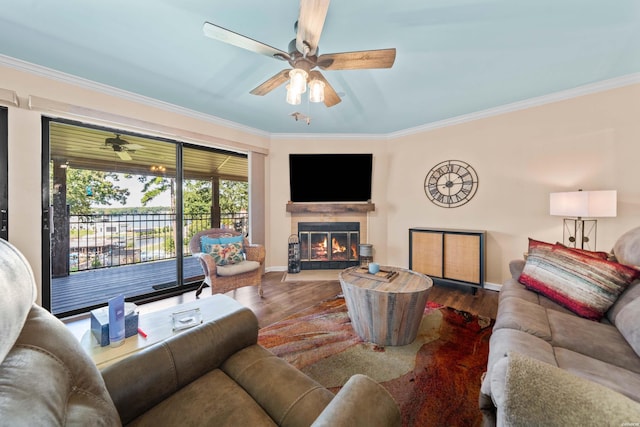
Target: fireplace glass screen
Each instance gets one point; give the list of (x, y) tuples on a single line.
[(328, 245)]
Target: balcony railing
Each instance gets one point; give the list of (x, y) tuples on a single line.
[(100, 241)]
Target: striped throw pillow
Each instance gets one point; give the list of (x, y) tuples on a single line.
[(584, 284)]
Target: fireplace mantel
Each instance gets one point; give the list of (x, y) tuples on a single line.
[(330, 208)]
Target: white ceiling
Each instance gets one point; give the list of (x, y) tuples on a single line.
[(454, 57)]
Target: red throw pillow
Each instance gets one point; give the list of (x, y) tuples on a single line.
[(584, 284), (537, 244)]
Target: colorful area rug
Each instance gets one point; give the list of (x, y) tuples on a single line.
[(435, 379)]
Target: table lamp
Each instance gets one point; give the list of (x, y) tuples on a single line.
[(577, 205)]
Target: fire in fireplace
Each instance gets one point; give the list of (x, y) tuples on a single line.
[(328, 245)]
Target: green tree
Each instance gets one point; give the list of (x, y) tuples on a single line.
[(234, 196), (156, 185), (197, 197), (87, 187)]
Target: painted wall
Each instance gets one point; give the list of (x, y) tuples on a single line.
[(590, 142), (25, 140), (280, 220)]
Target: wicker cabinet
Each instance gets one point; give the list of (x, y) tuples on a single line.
[(448, 256)]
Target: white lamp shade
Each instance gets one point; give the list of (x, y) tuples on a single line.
[(584, 204)]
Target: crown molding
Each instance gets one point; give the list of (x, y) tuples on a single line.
[(123, 94), (331, 136), (588, 89), (564, 95)]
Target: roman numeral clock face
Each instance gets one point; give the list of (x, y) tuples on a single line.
[(451, 183)]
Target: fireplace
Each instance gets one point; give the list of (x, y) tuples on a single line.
[(328, 245)]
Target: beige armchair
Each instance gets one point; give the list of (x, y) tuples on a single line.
[(222, 279)]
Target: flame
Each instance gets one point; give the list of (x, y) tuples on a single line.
[(353, 251), (335, 246)]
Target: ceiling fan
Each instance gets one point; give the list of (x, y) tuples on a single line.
[(121, 147), (303, 51)]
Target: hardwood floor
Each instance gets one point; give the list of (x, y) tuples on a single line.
[(282, 299)]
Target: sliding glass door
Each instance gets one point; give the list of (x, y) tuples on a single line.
[(215, 195), (120, 213)]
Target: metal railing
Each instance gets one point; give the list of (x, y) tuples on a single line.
[(100, 241)]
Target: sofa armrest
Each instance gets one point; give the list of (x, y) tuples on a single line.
[(361, 402), (144, 379), (515, 268), (536, 393)]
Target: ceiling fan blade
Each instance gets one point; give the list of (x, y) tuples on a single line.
[(310, 23), (133, 147), (365, 59), (123, 155), (272, 83), (227, 36), (331, 98)]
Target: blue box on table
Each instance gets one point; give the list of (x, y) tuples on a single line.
[(100, 323)]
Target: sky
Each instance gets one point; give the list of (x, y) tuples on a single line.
[(135, 190)]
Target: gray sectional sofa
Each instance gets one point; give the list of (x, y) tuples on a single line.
[(548, 366)]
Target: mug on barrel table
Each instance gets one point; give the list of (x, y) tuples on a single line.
[(374, 267)]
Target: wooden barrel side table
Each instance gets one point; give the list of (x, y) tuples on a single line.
[(386, 313)]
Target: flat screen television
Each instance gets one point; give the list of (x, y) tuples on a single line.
[(330, 177)]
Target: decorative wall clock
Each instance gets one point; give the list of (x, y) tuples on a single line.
[(451, 183)]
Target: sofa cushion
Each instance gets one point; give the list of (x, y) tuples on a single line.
[(239, 268), (586, 285), (287, 395), (212, 399), (627, 248), (503, 341), (614, 377), (513, 288), (628, 296), (225, 254), (515, 313), (628, 323), (595, 340)]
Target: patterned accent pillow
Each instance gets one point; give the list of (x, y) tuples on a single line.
[(584, 284), (227, 254)]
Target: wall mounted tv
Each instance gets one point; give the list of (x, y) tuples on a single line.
[(330, 177)]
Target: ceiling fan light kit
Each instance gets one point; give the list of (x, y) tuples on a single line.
[(293, 97), (303, 56), (316, 90), (298, 80), (298, 85)]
